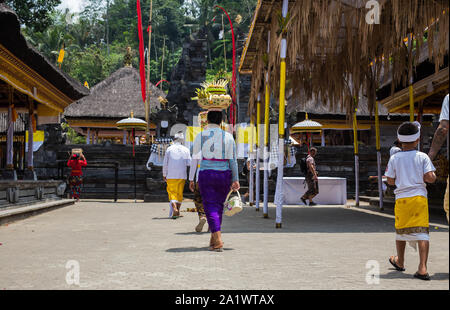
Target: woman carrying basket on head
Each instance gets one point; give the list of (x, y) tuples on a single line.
[(218, 172), (76, 162)]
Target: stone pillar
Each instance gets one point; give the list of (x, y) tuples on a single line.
[(124, 137), (323, 137)]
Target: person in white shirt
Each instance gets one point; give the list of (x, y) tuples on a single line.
[(410, 170), (176, 161), (440, 136)]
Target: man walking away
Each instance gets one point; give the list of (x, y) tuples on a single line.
[(312, 180), (176, 161)]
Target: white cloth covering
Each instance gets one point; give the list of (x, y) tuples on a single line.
[(408, 169), (413, 238), (176, 160)]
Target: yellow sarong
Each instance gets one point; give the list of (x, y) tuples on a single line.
[(175, 189), (411, 215)]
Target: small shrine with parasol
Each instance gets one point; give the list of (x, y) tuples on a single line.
[(131, 125)]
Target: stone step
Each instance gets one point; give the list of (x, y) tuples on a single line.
[(17, 213)]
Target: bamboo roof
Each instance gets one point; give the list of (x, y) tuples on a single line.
[(115, 98), (334, 54)]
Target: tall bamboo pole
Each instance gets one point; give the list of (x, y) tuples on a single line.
[(266, 148), (162, 59), (281, 131), (258, 147), (411, 79), (147, 105), (252, 144), (224, 46), (266, 139)]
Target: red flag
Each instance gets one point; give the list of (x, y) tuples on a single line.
[(141, 50)]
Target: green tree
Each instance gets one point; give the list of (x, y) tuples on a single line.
[(35, 14)]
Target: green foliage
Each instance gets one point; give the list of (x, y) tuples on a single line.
[(35, 14), (72, 136), (97, 39)]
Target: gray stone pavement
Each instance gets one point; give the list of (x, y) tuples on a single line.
[(129, 245)]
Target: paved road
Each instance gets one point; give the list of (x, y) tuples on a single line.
[(135, 246)]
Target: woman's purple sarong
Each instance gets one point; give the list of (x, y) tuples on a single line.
[(214, 187)]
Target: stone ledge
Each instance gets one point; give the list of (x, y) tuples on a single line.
[(11, 215)]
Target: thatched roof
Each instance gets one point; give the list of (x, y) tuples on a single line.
[(331, 46), (13, 40), (316, 106), (115, 97)]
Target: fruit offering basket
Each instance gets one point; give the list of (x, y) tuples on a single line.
[(213, 95)]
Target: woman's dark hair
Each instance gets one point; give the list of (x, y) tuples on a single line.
[(408, 129), (215, 117), (397, 143)]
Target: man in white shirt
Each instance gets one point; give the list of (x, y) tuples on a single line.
[(440, 136), (176, 161)]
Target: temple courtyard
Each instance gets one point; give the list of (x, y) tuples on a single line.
[(129, 245)]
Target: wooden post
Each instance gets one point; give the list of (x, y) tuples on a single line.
[(88, 137), (380, 177), (281, 130), (30, 134), (355, 143), (147, 102), (419, 119), (10, 133)]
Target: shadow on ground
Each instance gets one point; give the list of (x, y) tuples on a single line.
[(193, 249), (312, 220), (402, 275)]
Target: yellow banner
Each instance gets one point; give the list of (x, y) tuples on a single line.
[(61, 56), (38, 136)]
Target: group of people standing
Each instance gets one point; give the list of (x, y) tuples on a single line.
[(213, 174)]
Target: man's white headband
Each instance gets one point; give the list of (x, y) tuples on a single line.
[(410, 138)]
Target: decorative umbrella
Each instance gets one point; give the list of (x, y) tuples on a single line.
[(307, 126), (131, 124)]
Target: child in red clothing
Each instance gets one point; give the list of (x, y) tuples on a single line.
[(76, 162)]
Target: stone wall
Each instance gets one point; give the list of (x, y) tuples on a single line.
[(187, 76)]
